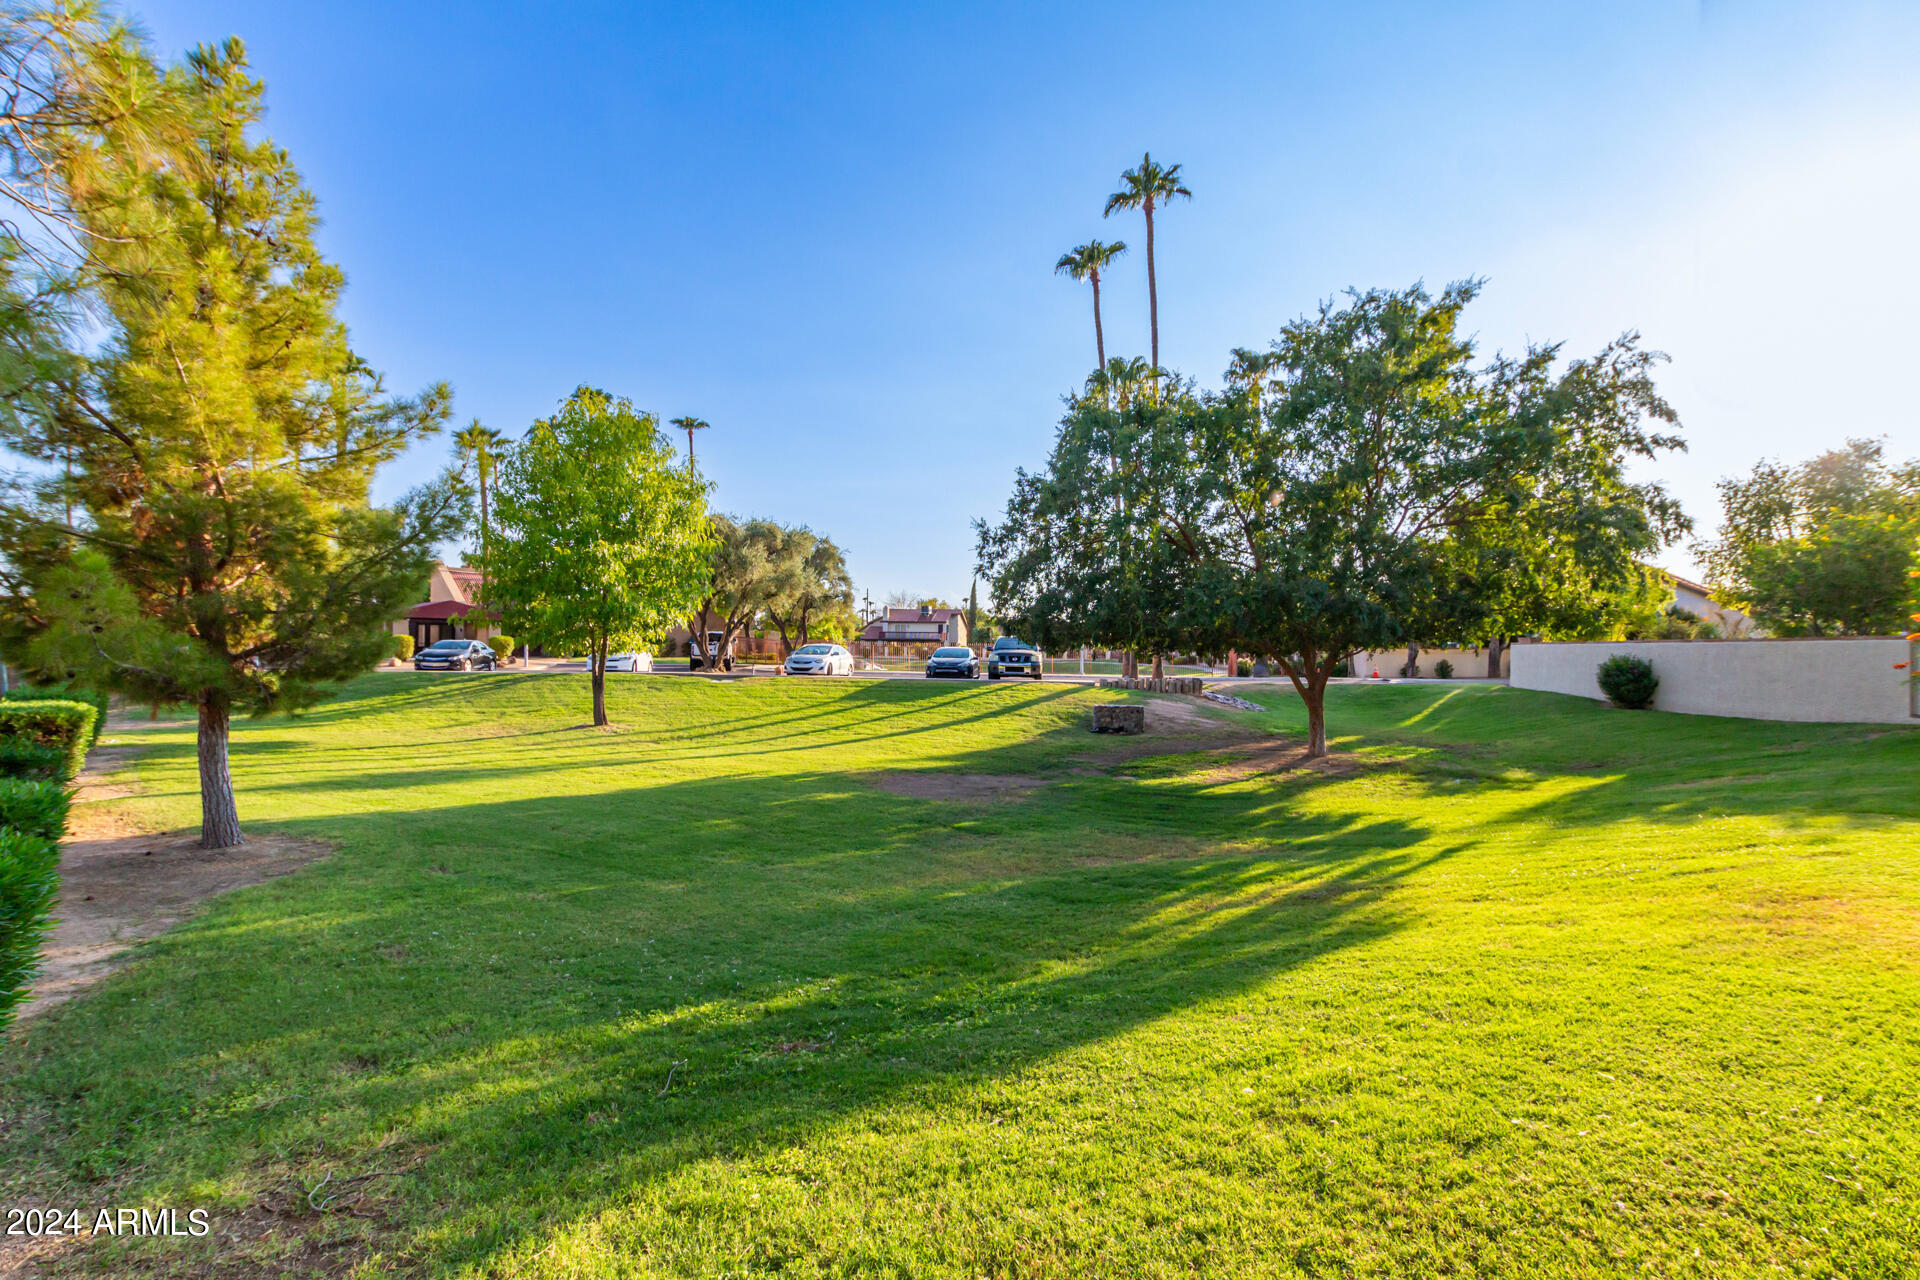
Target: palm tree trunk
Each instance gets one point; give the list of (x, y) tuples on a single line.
[(1099, 336), (219, 818), (1153, 289), (483, 516)]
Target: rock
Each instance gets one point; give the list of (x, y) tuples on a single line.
[(1119, 717)]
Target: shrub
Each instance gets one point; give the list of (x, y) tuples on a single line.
[(403, 647), (37, 808), (1342, 669), (1443, 670), (45, 739), (1628, 681), (502, 647), (29, 882), (65, 693), (1245, 668)]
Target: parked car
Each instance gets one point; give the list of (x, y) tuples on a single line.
[(819, 660), (636, 662), (456, 655), (953, 661), (1012, 656)]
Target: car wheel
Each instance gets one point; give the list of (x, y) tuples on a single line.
[(993, 675), (466, 664)]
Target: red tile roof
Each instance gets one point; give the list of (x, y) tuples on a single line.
[(441, 610)]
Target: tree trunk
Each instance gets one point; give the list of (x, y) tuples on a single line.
[(1099, 335), (1412, 669), (1153, 290), (219, 819), (598, 660), (1315, 696), (1159, 666), (1494, 647), (483, 518), (1233, 663)]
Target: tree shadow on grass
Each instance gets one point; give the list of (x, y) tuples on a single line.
[(495, 994), (1605, 765)]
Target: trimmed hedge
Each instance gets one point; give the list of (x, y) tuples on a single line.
[(43, 743), (37, 808), (502, 647), (45, 739), (65, 693), (403, 647), (29, 883)]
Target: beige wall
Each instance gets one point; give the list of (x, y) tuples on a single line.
[(1817, 680), (1466, 662)]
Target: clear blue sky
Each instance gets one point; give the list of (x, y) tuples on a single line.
[(830, 229)]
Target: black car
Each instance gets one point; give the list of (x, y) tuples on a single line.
[(1013, 657), (954, 661), (456, 655)]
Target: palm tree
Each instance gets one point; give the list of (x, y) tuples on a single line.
[(691, 425), (1142, 189), (481, 444), (1122, 378), (1248, 372), (1086, 262)]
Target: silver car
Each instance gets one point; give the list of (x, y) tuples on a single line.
[(819, 660)]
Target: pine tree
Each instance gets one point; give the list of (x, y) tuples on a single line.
[(224, 437)]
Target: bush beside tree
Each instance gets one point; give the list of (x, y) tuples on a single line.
[(502, 647)]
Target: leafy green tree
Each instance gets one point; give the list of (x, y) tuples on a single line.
[(1829, 547), (742, 576), (1358, 505), (222, 436), (1144, 188), (480, 446), (810, 582), (602, 543), (1086, 262)]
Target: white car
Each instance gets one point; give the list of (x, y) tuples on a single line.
[(639, 662), (819, 660)]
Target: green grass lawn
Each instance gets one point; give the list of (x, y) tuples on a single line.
[(1521, 987)]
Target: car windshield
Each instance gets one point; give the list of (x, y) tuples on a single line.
[(448, 645), (953, 653), (1009, 642), (814, 648)]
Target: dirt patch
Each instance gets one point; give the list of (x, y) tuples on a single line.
[(957, 786), (1173, 712), (120, 890), (1283, 757)]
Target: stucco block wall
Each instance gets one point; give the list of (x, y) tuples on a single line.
[(1468, 664), (1820, 680)]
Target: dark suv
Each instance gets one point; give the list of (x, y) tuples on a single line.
[(1012, 656)]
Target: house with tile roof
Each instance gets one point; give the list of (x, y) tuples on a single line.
[(443, 615), (917, 625)]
